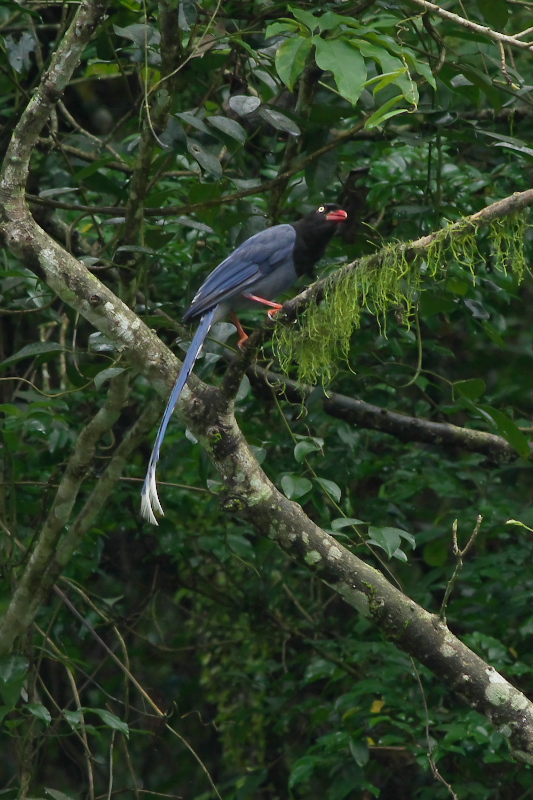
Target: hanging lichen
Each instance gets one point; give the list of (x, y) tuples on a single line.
[(389, 280), (507, 244)]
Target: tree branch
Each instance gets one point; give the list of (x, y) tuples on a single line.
[(248, 492), (512, 204), (32, 587), (172, 211), (401, 426), (473, 26)]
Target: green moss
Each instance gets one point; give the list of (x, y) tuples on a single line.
[(507, 244), (389, 280)]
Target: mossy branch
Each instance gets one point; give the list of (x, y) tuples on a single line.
[(330, 310)]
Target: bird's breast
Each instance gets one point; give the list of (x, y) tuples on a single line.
[(276, 282)]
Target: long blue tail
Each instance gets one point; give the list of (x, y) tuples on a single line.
[(149, 499)]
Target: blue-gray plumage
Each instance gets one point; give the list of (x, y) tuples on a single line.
[(261, 268)]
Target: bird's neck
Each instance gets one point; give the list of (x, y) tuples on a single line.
[(310, 246)]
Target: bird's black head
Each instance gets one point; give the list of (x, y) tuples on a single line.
[(324, 215), (313, 233)]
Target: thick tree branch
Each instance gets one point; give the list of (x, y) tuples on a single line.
[(251, 495), (56, 78), (512, 204), (248, 492), (401, 426), (407, 625)]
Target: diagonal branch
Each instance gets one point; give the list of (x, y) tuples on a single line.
[(32, 588), (249, 493), (473, 26), (513, 204)]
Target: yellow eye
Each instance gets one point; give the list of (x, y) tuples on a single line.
[(321, 209)]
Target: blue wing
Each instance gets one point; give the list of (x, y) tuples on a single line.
[(149, 499), (251, 262)]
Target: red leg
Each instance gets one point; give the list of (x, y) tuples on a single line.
[(273, 306), (240, 330)]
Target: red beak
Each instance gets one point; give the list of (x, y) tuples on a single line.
[(336, 216)]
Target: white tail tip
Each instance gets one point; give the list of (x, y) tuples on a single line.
[(149, 499)]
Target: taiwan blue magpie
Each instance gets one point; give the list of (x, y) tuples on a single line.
[(261, 268)]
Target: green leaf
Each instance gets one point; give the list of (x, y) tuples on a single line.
[(303, 769), (191, 119), (390, 64), (388, 539), (302, 449), (405, 535), (457, 286), (471, 388), (294, 487), (510, 432), (240, 546), (39, 711), (305, 17), (345, 62), (107, 374), (331, 20), (243, 104), (279, 121), (111, 720), (290, 59), (57, 795), (345, 522), (10, 409), (34, 349), (400, 555), (483, 82), (495, 13), (525, 151), (520, 524), (13, 668), (331, 488), (383, 113), (207, 161), (228, 126), (384, 79), (142, 35), (359, 751), (74, 718), (282, 26), (192, 223), (136, 248), (174, 135), (317, 669), (187, 14), (90, 169), (421, 67)]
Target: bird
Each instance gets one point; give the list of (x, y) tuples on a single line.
[(261, 268)]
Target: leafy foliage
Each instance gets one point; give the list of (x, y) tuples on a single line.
[(203, 633)]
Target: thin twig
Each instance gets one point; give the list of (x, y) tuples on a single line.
[(472, 26), (459, 555)]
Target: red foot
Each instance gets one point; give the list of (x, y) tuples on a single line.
[(240, 330)]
